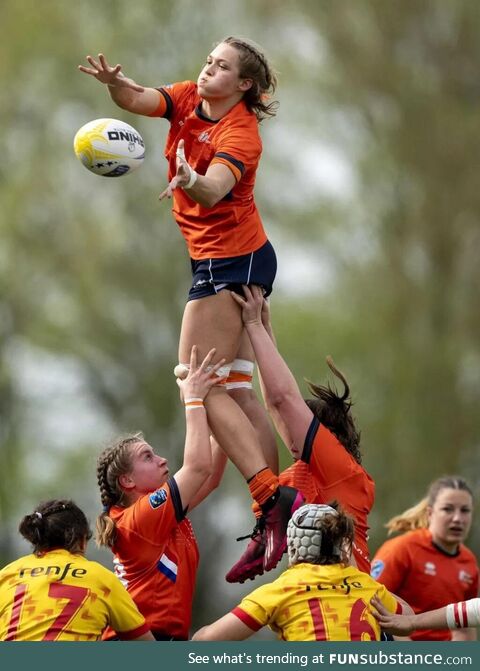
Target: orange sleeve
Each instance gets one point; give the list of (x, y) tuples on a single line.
[(329, 460), (171, 99), (162, 107), (391, 564), (238, 146), (154, 515)]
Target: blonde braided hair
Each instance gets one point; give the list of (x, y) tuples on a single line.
[(113, 462)]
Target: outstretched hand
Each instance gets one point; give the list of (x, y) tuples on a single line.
[(401, 625), (252, 304), (183, 174), (201, 378), (109, 75)]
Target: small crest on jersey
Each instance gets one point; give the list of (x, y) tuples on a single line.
[(203, 137), (376, 569), (465, 576), (158, 498), (430, 568)]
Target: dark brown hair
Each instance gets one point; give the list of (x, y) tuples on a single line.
[(58, 523), (255, 66), (333, 411)]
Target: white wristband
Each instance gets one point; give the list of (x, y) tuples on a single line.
[(193, 174)]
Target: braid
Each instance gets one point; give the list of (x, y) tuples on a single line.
[(255, 66), (260, 57), (111, 464)]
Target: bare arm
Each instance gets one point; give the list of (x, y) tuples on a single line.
[(219, 461), (197, 458), (283, 398), (125, 92), (463, 613), (207, 190), (469, 634), (227, 628), (148, 636), (403, 625)]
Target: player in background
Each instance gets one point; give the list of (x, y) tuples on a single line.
[(320, 597), (55, 593), (428, 565), (144, 519), (462, 615), (320, 433), (213, 151)]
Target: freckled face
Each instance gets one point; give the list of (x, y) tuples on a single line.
[(219, 77), (451, 518), (149, 471)]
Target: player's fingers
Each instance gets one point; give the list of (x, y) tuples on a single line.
[(256, 291), (193, 358), (238, 299), (218, 365), (208, 359), (88, 71), (93, 63), (103, 62), (167, 193)]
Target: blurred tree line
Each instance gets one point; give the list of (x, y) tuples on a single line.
[(369, 190)]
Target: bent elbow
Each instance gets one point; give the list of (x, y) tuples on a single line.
[(204, 471), (208, 201)]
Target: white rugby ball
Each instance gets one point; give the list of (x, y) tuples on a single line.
[(109, 147)]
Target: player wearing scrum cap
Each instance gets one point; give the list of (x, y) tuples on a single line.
[(320, 597)]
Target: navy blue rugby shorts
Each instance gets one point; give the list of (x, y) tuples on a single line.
[(212, 275)]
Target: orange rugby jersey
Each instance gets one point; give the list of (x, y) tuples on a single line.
[(425, 576), (233, 226), (326, 472), (156, 558), (60, 596), (308, 602)]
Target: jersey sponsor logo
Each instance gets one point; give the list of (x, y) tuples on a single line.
[(377, 568), (430, 568), (465, 576), (167, 567), (158, 498)]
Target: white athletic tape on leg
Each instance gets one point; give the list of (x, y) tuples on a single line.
[(223, 371), (241, 374), (181, 370), (243, 366)]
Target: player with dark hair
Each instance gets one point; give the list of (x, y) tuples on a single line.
[(428, 565), (213, 150), (55, 593), (320, 433), (320, 597)]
